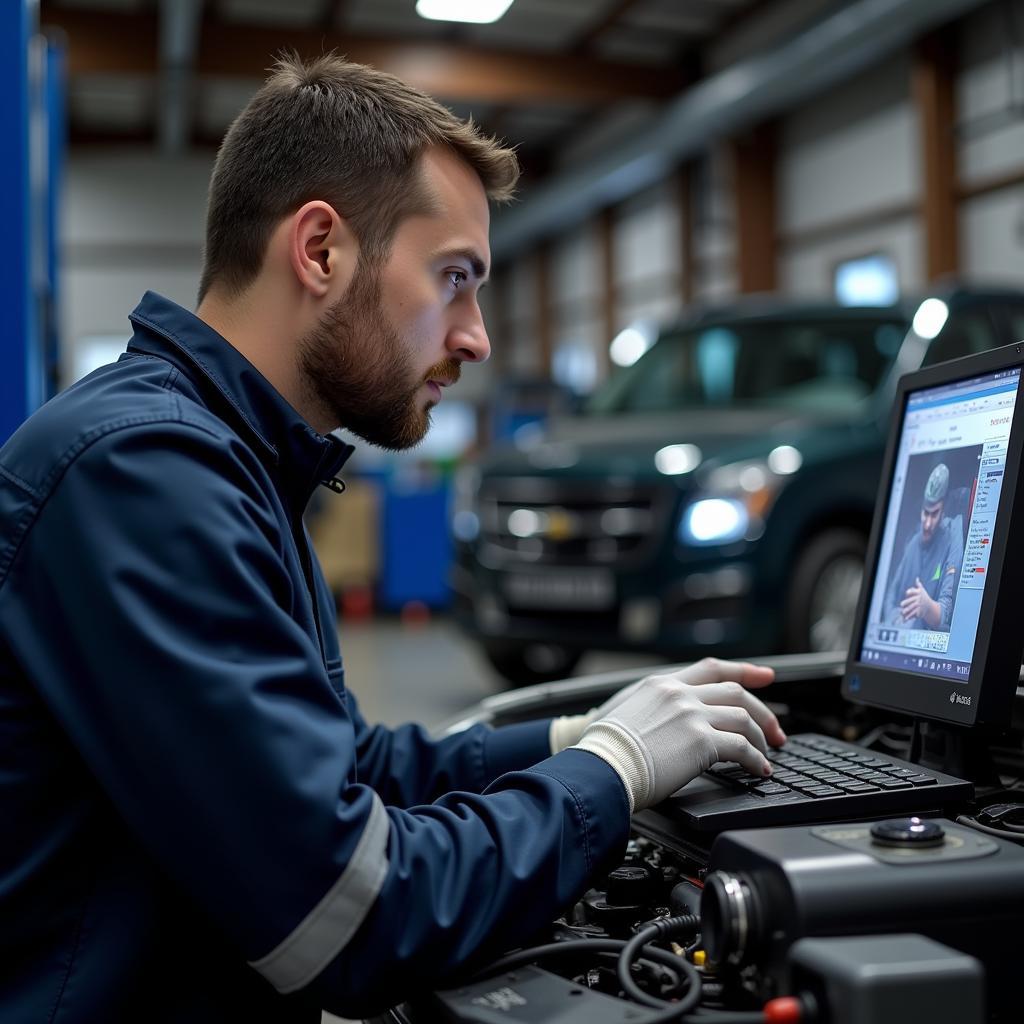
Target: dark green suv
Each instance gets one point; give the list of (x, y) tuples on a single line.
[(714, 497)]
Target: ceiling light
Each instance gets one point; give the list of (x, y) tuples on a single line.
[(479, 12)]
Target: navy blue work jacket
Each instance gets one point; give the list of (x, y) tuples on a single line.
[(197, 823)]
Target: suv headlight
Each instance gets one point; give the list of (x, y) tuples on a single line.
[(714, 521), (736, 498), (465, 504)]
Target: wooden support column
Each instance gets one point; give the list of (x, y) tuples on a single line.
[(606, 285), (933, 79), (545, 317), (687, 249), (754, 158)]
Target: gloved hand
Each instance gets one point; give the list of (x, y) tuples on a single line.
[(566, 730), (662, 732)]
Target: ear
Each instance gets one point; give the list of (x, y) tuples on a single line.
[(322, 249)]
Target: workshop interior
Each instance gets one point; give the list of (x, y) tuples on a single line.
[(756, 319)]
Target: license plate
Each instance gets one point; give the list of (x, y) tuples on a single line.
[(575, 591)]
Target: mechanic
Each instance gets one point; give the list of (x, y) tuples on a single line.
[(923, 587), (199, 824)]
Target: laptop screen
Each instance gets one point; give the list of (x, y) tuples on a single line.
[(926, 595)]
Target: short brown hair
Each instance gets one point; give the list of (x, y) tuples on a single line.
[(337, 131)]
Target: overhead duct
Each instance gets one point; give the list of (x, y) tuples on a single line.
[(759, 87), (179, 35)]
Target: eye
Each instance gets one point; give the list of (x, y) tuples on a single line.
[(456, 278)]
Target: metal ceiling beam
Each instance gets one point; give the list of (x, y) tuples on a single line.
[(111, 42), (837, 47), (608, 20)]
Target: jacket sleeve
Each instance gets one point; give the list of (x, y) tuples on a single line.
[(206, 716), (406, 766)]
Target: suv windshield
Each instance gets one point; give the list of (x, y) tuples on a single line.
[(802, 365)]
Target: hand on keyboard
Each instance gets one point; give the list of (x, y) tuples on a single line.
[(665, 730)]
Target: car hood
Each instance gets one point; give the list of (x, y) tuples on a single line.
[(607, 445)]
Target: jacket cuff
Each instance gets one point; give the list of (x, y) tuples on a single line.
[(513, 748), (601, 801)]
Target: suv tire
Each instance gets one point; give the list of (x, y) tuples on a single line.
[(823, 593), (523, 664)]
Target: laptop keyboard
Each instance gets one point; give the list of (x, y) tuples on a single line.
[(814, 767), (815, 779)]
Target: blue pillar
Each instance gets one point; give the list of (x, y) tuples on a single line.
[(54, 88), (15, 215)]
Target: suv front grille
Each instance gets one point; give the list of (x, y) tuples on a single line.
[(542, 522)]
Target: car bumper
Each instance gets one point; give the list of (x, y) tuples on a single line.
[(682, 612)]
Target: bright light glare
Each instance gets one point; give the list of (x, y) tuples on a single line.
[(930, 318), (629, 345), (870, 281), (675, 459), (715, 521), (785, 459), (478, 12)]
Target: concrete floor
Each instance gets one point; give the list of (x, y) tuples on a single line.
[(430, 672)]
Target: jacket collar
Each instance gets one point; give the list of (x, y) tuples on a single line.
[(302, 457)]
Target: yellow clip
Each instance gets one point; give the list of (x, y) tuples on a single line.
[(699, 958)]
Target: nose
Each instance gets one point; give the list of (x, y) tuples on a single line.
[(467, 339)]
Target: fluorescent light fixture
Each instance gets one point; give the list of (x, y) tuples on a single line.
[(930, 318), (478, 12), (868, 281)]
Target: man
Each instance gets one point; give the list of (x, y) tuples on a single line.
[(199, 824), (923, 588)]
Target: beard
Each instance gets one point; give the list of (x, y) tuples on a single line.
[(356, 368)]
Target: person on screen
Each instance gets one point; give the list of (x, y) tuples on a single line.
[(922, 589)]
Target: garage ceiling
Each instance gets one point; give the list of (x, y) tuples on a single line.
[(175, 72)]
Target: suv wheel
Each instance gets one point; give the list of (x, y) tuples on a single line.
[(824, 591), (523, 664)]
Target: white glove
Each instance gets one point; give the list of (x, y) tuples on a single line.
[(665, 730), (566, 730)]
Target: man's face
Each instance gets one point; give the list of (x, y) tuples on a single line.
[(930, 517), (379, 358)]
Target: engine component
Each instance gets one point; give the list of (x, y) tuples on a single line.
[(887, 979)]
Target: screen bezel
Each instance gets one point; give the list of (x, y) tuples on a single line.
[(998, 646)]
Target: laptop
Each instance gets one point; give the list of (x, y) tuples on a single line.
[(937, 636)]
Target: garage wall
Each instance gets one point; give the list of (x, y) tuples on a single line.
[(130, 221), (714, 226), (848, 180), (646, 256), (575, 276), (517, 331), (990, 122)]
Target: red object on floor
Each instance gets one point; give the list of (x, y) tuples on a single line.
[(415, 613)]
